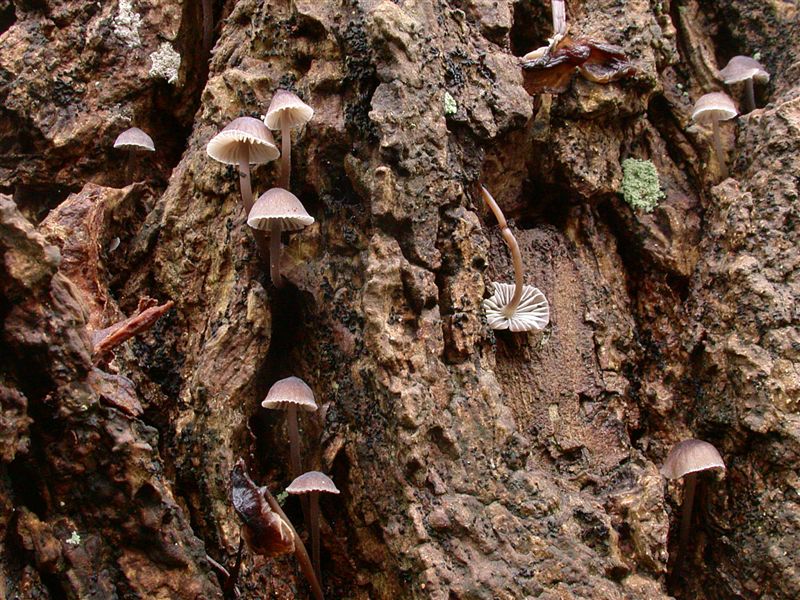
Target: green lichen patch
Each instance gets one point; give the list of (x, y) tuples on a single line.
[(640, 186)]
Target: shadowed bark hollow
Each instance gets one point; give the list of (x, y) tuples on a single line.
[(472, 464)]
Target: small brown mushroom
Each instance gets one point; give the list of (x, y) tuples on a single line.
[(516, 307), (134, 140), (244, 141), (291, 394), (275, 211), (713, 108), (686, 459), (744, 68), (285, 112), (313, 483)]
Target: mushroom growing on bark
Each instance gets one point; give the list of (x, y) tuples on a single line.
[(244, 141), (275, 211), (285, 112), (686, 459), (749, 70), (266, 528), (713, 108), (134, 140), (516, 307), (313, 483)]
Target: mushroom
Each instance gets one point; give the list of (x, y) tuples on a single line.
[(243, 142), (715, 107), (134, 140), (686, 459), (291, 394), (313, 483), (278, 210), (516, 307), (286, 111), (266, 528), (744, 68)]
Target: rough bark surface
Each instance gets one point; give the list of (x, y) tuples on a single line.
[(472, 464)]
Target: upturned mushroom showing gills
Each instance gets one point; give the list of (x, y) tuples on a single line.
[(686, 459), (516, 307), (313, 483), (749, 70), (285, 112), (134, 140), (713, 108), (275, 211), (244, 141)]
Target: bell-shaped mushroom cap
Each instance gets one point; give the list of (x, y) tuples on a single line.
[(281, 205), (290, 391), (134, 138), (714, 106), (690, 456), (244, 133), (533, 311), (286, 102), (741, 68), (313, 481)]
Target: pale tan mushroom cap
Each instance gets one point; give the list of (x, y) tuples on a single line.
[(313, 481), (290, 391), (691, 456), (533, 311), (285, 102), (281, 205), (741, 68), (134, 138), (244, 134), (716, 105)]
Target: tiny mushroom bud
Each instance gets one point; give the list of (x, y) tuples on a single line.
[(313, 483), (134, 140), (285, 112), (516, 307), (744, 68), (278, 210), (686, 459), (713, 108)]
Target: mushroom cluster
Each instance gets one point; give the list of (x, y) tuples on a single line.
[(247, 141)]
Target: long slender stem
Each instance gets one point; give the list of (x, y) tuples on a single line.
[(247, 200), (286, 152), (718, 148), (208, 24), (314, 500), (516, 255), (275, 254), (689, 484), (559, 17), (296, 464), (299, 549), (751, 96)]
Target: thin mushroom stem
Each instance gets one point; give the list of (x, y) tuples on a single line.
[(244, 180), (208, 24), (286, 152), (294, 449), (513, 246), (299, 549), (689, 484), (559, 17), (750, 98), (718, 148), (247, 199), (230, 583), (275, 259), (314, 500)]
